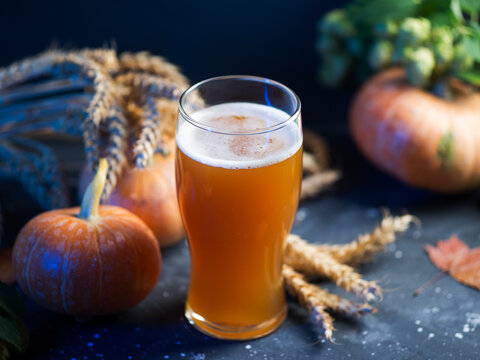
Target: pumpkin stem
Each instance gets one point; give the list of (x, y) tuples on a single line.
[(91, 198)]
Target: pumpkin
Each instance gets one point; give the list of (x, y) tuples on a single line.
[(423, 140), (86, 261), (150, 193)]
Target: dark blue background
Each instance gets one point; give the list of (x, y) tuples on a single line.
[(205, 38)]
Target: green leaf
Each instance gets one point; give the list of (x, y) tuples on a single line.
[(4, 353), (370, 12), (471, 45), (11, 301), (429, 7), (472, 77), (457, 9), (13, 331), (444, 18), (470, 6)]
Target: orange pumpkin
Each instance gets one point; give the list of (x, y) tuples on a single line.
[(150, 193), (86, 261), (421, 139)]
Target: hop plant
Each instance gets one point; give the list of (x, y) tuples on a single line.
[(380, 54), (432, 40), (337, 23), (327, 44), (462, 60), (414, 31), (385, 30), (335, 69), (420, 65)]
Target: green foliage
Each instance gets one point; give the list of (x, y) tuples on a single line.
[(385, 29), (414, 31), (381, 54), (335, 69), (420, 64), (471, 77), (371, 12), (432, 39), (13, 332)]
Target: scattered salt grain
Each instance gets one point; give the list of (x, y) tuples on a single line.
[(398, 254), (417, 322), (248, 347), (431, 336), (459, 335), (420, 329), (301, 215), (437, 290), (473, 320), (96, 336), (90, 344), (435, 309)]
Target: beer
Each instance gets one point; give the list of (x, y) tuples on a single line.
[(238, 191)]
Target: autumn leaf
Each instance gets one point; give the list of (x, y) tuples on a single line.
[(7, 276), (455, 257), (446, 252)]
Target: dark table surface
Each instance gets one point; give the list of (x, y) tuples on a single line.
[(442, 323)]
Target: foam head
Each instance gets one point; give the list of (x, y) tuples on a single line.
[(236, 151)]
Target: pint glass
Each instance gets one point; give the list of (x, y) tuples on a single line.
[(238, 176)]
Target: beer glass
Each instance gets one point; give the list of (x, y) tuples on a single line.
[(238, 176)]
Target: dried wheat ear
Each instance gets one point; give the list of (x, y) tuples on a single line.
[(122, 106), (302, 259)]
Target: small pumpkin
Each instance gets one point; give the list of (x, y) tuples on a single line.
[(87, 261), (150, 193), (423, 140)]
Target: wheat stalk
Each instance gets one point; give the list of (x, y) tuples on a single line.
[(28, 69), (367, 245), (306, 295), (105, 95), (155, 65), (315, 183), (116, 126), (33, 172), (303, 257)]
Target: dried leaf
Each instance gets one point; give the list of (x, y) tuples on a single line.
[(467, 268), (12, 329), (446, 252), (7, 276), (455, 257)]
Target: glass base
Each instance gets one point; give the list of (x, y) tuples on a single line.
[(233, 332)]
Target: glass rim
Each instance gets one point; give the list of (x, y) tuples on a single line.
[(259, 131)]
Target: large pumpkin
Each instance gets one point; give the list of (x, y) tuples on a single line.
[(87, 261), (421, 139)]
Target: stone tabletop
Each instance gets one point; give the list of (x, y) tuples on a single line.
[(442, 323)]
